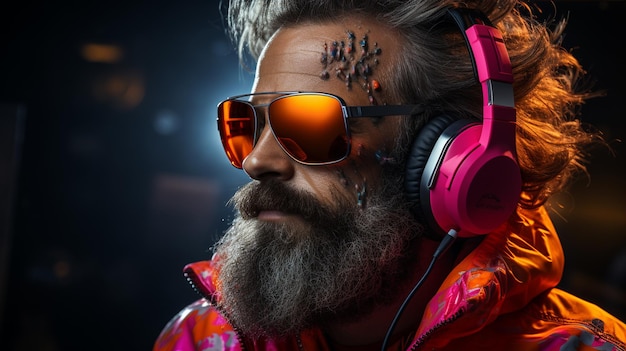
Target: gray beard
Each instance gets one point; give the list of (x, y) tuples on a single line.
[(278, 279)]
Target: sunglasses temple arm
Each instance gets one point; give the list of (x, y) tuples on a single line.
[(383, 110)]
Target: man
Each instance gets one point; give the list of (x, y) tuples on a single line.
[(400, 153)]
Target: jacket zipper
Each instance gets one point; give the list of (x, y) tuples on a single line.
[(430, 332), (192, 279)]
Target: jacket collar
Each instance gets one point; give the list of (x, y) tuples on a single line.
[(511, 266)]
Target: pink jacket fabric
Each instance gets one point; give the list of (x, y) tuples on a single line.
[(502, 296)]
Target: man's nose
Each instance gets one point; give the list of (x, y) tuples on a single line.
[(268, 159)]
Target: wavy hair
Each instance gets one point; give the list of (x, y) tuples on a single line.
[(552, 143)]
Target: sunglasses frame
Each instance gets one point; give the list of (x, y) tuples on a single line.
[(346, 110)]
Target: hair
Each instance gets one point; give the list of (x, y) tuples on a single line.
[(552, 143)]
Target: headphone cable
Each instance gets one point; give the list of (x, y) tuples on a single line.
[(446, 242)]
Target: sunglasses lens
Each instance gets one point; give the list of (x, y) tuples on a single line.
[(310, 127), (235, 123)]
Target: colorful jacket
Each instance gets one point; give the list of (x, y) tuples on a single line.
[(501, 296)]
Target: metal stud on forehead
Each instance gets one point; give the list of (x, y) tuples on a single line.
[(354, 66)]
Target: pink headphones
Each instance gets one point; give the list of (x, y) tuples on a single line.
[(461, 174)]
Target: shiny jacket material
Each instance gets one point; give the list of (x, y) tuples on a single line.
[(502, 296)]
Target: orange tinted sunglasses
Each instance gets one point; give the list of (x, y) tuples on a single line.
[(312, 128)]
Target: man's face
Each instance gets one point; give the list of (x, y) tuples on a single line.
[(313, 244)]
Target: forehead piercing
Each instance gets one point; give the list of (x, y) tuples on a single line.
[(383, 158), (350, 48), (342, 178), (363, 44), (363, 69), (372, 100), (361, 193), (375, 85), (324, 59), (348, 67), (359, 150), (334, 51)]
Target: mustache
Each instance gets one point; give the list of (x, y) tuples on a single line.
[(274, 195)]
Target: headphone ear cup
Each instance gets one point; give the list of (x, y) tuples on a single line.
[(462, 176), (420, 154)]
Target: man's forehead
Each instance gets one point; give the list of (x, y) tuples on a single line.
[(328, 54)]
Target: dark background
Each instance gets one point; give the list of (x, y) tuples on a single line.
[(112, 176)]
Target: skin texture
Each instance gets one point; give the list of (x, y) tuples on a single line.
[(291, 62)]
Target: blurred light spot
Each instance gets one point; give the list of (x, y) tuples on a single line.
[(166, 122), (122, 90), (102, 53), (62, 269)]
